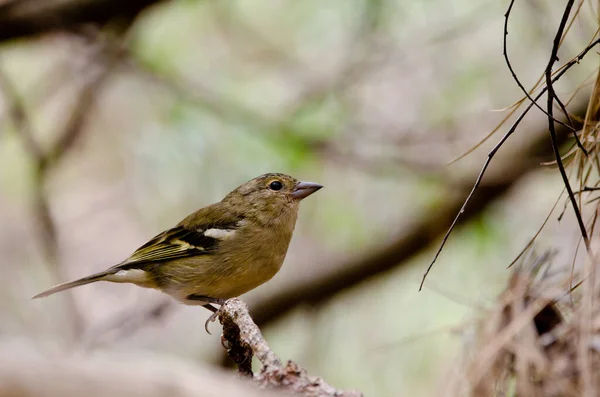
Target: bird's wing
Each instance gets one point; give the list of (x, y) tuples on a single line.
[(180, 242)]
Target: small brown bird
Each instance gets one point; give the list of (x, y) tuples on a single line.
[(220, 251)]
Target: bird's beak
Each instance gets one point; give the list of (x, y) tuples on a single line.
[(305, 189)]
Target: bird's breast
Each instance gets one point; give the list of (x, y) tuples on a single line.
[(249, 260)]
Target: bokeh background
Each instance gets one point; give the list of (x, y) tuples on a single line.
[(112, 132)]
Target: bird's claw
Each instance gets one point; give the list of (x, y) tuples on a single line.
[(211, 319)]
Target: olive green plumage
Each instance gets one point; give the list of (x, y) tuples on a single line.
[(220, 251)]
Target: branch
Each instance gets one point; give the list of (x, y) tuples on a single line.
[(528, 95), (245, 340), (503, 140), (516, 79), (25, 18), (552, 128)]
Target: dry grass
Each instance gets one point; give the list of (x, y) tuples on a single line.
[(542, 337), (537, 340)]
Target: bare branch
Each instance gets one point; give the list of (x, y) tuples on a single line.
[(495, 149), (24, 18), (514, 75), (552, 128), (243, 336)]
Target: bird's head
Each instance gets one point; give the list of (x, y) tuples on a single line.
[(271, 194)]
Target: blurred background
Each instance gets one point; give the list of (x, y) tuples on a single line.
[(117, 120)]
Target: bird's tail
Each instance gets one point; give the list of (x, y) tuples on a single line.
[(71, 284)]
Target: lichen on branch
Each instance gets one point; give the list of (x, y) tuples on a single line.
[(243, 340)]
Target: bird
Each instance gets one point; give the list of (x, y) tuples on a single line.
[(218, 252)]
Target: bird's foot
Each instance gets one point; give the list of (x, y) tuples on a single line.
[(213, 317), (215, 312)]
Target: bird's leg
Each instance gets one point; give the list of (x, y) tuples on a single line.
[(214, 310), (213, 316)]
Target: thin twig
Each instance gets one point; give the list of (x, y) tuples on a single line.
[(492, 152), (514, 75), (532, 240), (566, 113), (551, 97), (514, 107)]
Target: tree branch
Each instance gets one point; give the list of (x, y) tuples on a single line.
[(25, 18), (501, 143), (245, 340), (552, 128)]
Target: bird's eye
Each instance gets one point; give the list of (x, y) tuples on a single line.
[(275, 185)]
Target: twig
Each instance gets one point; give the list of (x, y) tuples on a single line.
[(513, 108), (563, 108), (588, 189), (551, 96), (244, 339), (492, 152), (514, 75), (532, 240)]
